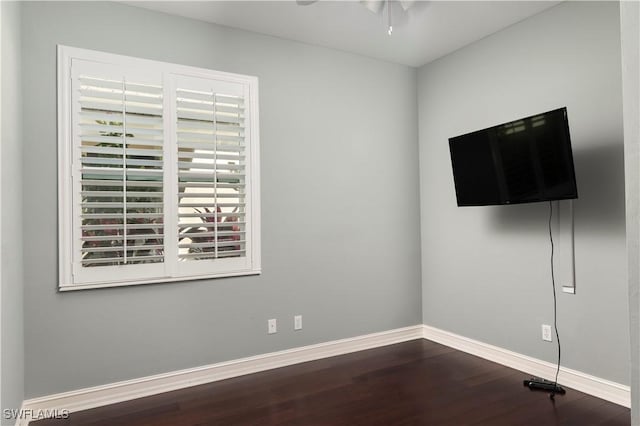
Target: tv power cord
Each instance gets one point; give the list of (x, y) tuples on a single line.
[(536, 383)]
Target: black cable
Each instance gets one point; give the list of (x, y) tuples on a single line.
[(555, 302)]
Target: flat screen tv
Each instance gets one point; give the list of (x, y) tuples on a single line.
[(523, 161)]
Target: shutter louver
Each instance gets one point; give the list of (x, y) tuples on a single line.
[(211, 175), (121, 166)]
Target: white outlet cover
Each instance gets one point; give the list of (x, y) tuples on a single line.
[(546, 333), (272, 326), (297, 322)]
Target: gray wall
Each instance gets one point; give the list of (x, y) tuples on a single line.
[(12, 386), (485, 270), (630, 37), (339, 206)]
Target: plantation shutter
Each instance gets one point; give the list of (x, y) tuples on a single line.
[(158, 171), (212, 172), (119, 187)]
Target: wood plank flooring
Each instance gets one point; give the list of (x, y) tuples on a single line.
[(412, 383)]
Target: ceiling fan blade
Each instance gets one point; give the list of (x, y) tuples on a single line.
[(305, 2), (406, 4), (373, 5)]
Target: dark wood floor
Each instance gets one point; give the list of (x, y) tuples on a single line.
[(413, 383)]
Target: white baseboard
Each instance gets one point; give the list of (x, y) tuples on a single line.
[(22, 421), (84, 399), (600, 388)]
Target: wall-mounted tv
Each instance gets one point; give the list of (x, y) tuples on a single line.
[(523, 161)]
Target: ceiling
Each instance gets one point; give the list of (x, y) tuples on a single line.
[(427, 31)]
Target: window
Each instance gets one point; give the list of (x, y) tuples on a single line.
[(158, 171)]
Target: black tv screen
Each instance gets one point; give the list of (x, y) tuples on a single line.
[(523, 161)]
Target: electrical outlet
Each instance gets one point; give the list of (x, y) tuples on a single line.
[(272, 326), (297, 322), (546, 332)]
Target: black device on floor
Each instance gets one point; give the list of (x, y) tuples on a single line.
[(536, 383)]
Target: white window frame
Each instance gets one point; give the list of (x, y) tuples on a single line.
[(171, 270)]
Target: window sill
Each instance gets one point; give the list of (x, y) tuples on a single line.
[(75, 287)]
